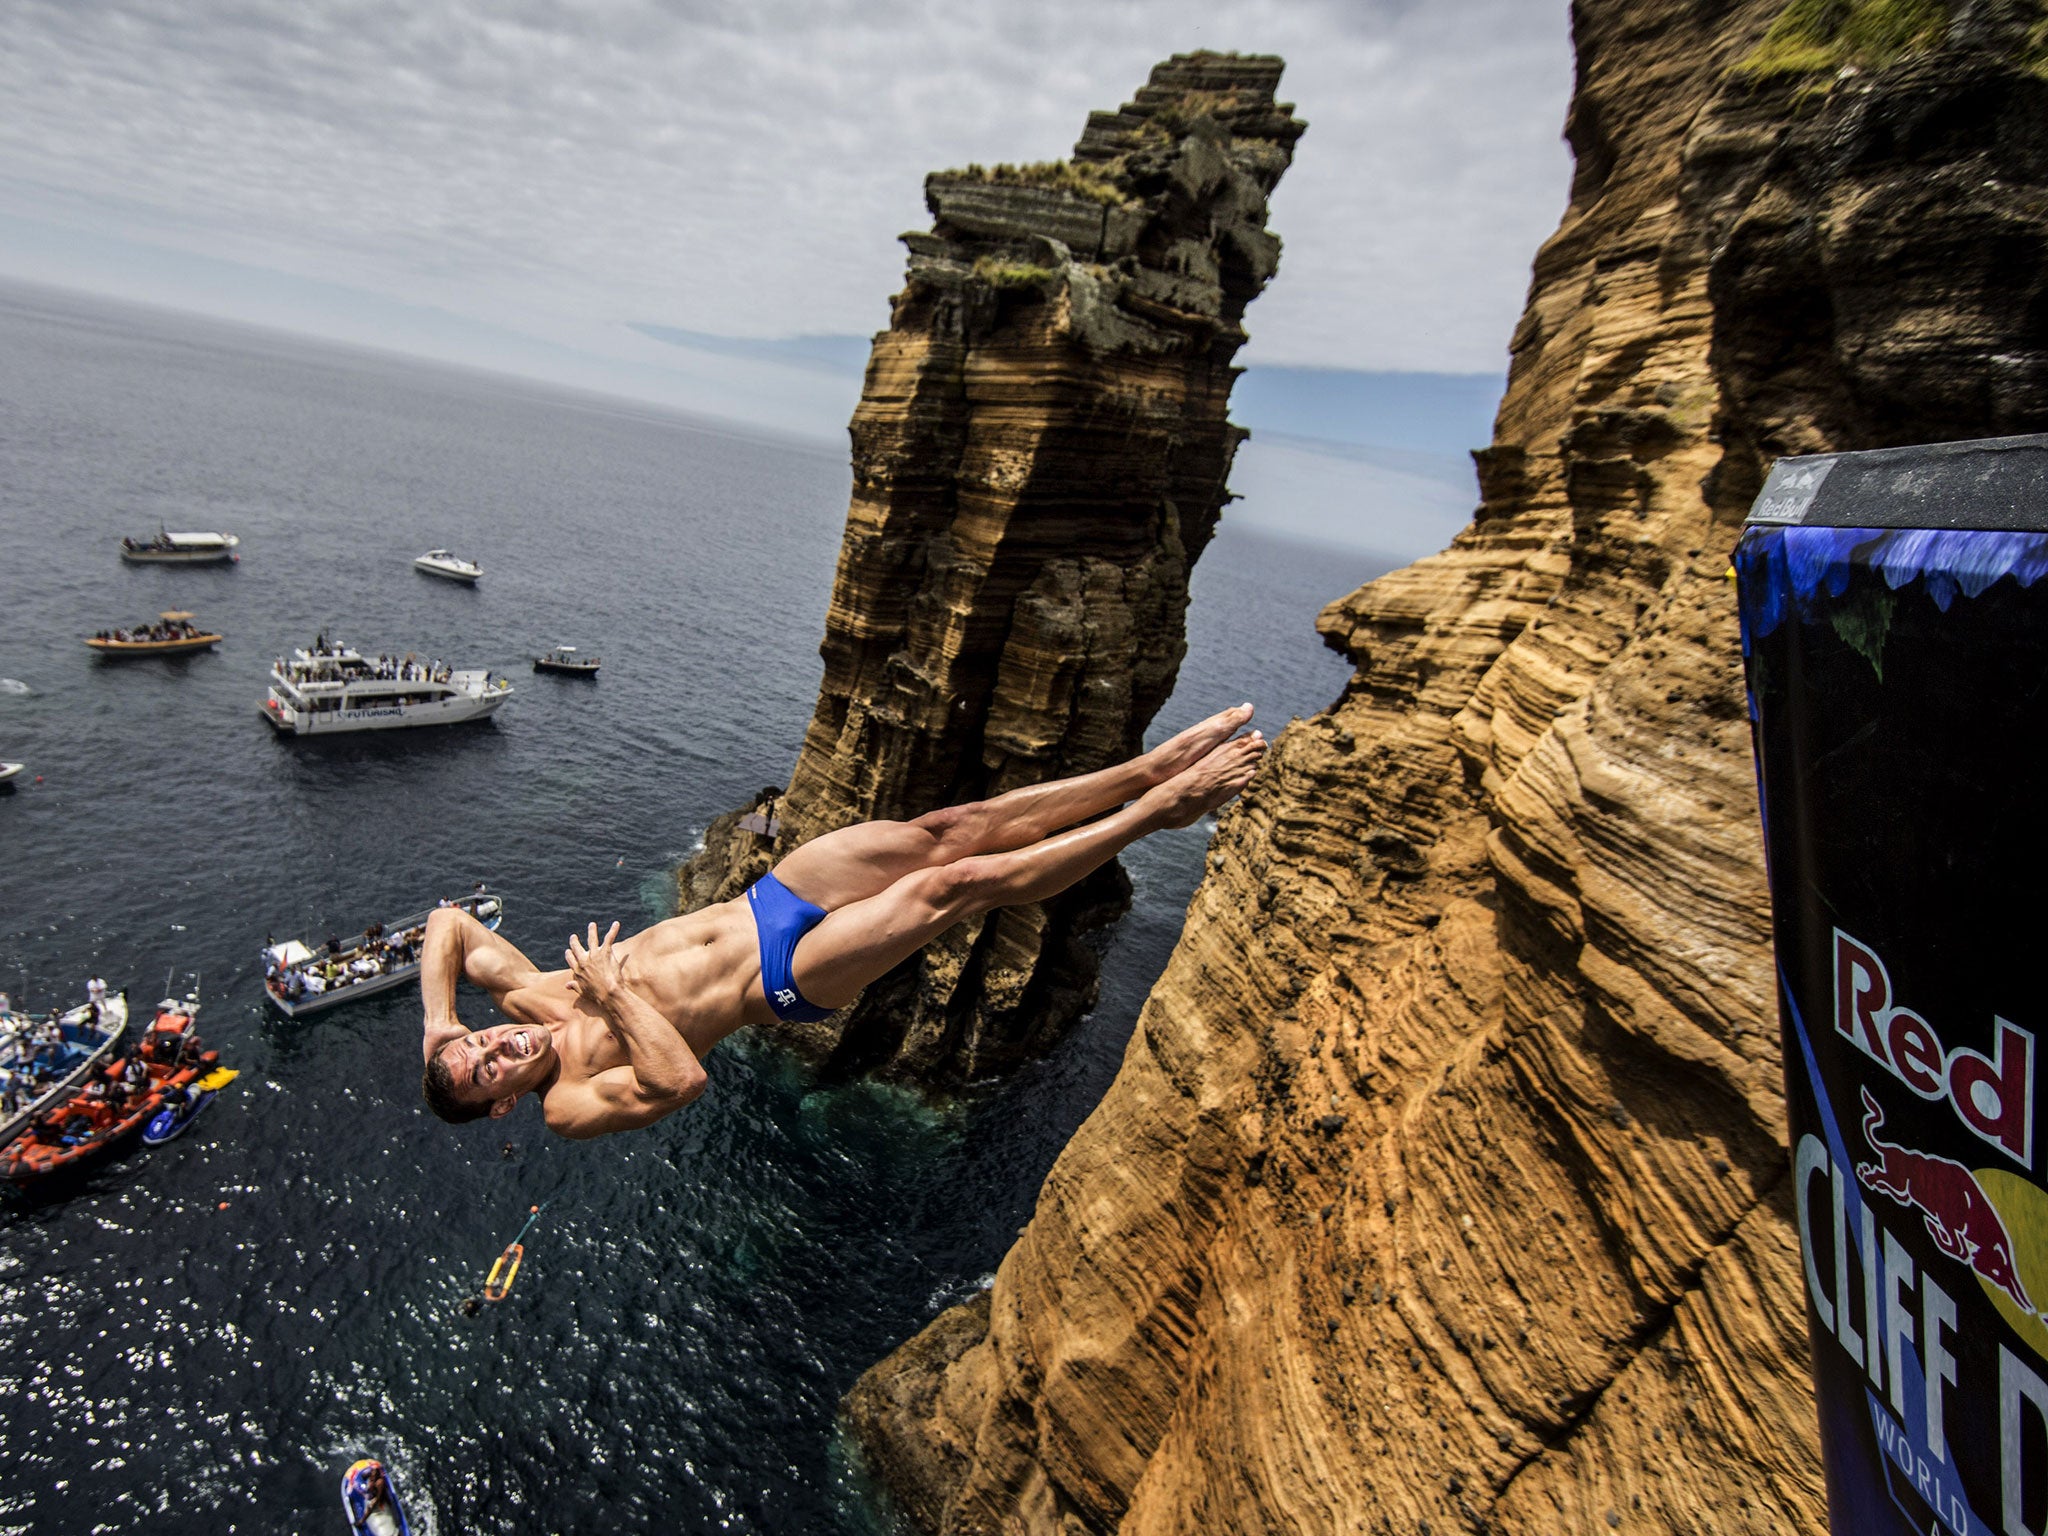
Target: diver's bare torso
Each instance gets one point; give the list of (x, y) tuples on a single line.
[(700, 971)]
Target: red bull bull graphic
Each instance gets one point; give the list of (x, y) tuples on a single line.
[(1895, 641), (1964, 1224)]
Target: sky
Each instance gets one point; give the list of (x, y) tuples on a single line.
[(664, 198)]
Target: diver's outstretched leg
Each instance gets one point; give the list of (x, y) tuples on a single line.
[(860, 942), (860, 861)]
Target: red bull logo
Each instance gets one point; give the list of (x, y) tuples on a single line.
[(1964, 1224), (1992, 1095)]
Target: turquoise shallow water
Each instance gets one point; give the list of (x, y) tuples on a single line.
[(697, 1297)]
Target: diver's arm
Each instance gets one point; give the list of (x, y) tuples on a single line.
[(611, 1101), (459, 948), (441, 956), (666, 1072)]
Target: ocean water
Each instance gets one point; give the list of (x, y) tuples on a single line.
[(215, 1329)]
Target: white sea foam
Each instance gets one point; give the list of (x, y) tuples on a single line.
[(14, 685)]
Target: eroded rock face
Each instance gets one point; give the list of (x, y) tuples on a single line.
[(1444, 1184), (1039, 457)]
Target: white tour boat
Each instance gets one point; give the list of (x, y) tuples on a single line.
[(332, 688), (165, 548), (448, 566), (301, 979)]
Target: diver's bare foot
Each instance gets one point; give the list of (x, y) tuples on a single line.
[(1179, 753), (1220, 776)]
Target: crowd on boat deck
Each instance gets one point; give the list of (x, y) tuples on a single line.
[(33, 1052), (162, 629), (112, 1094), (377, 955), (406, 669)]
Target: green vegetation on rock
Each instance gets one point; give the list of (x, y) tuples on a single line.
[(1181, 115), (1095, 182), (1011, 274), (1822, 36)]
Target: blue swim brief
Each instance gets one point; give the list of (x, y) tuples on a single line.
[(781, 917)]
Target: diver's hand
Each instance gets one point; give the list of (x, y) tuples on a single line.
[(439, 1032), (594, 969)]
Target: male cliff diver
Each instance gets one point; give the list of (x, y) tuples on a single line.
[(617, 1040)]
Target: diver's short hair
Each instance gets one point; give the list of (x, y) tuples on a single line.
[(437, 1087)]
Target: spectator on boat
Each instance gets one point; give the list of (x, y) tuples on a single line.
[(135, 1073), (96, 994)]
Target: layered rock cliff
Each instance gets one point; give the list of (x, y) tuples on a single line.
[(1443, 1186), (1039, 458)]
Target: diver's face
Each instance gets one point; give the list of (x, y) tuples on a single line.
[(501, 1062)]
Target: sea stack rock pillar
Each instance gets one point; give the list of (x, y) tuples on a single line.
[(1039, 458)]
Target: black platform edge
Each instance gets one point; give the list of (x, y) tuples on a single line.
[(1990, 482)]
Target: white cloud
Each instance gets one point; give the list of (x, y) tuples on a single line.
[(563, 170)]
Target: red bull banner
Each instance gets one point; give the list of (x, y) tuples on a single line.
[(1895, 639)]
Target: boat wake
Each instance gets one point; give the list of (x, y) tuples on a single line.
[(14, 685)]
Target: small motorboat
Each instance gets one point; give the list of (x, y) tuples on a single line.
[(173, 634), (9, 772), (117, 1100), (166, 548), (449, 566), (44, 1060), (302, 980), (370, 1500), (563, 658)]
